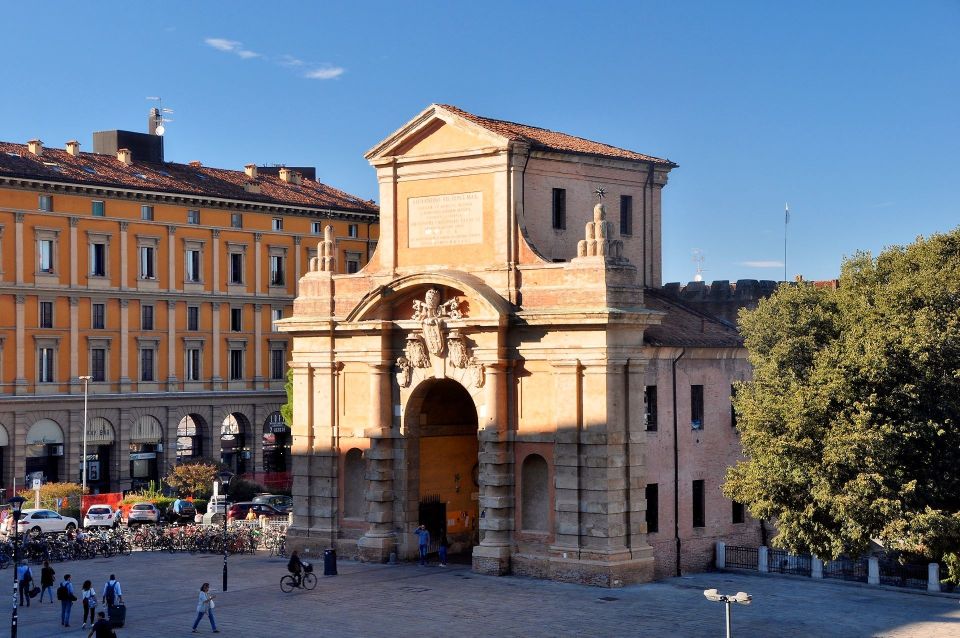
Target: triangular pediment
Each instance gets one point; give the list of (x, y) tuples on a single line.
[(436, 131)]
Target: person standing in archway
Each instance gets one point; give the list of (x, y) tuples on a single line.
[(423, 538)]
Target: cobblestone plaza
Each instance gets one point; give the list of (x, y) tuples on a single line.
[(380, 600)]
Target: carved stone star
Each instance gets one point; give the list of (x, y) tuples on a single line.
[(600, 192)]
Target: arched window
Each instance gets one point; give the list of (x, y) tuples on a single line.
[(189, 438), (535, 494), (354, 485)]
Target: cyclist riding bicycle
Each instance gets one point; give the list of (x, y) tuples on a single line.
[(295, 567)]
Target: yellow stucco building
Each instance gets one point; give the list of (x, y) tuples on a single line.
[(160, 282)]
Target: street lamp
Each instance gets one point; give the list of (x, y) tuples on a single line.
[(741, 597), (16, 506), (83, 461), (225, 482)]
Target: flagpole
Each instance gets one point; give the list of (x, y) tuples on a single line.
[(786, 221)]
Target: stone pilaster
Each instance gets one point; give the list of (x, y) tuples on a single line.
[(215, 243), (75, 385), (258, 380), (297, 264), (74, 253), (124, 345), (124, 259), (216, 380), (380, 538), (492, 555), (171, 258), (172, 385), (18, 239), (21, 380), (257, 262)]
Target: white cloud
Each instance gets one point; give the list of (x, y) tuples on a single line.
[(288, 60), (762, 264), (231, 46), (324, 73)]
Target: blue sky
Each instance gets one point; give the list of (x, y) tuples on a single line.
[(849, 111)]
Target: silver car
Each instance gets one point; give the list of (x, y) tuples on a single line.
[(143, 513)]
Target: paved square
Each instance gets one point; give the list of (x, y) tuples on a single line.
[(379, 600)]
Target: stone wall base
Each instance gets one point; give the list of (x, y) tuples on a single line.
[(309, 543), (492, 561), (595, 573), (376, 549)]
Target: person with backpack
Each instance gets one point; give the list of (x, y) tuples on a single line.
[(66, 597), (112, 593), (25, 579), (47, 580), (205, 606), (89, 596)]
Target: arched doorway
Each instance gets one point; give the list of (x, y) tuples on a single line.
[(190, 438), (100, 439), (444, 420), (146, 442), (276, 444), (234, 446), (44, 451)]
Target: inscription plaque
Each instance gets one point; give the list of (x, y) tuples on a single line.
[(445, 220)]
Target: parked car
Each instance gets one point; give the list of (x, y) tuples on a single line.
[(101, 516), (143, 513), (238, 511), (278, 501), (36, 521), (181, 512)]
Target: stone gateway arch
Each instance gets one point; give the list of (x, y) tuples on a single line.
[(484, 374)]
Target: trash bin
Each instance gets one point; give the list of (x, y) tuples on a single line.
[(329, 562)]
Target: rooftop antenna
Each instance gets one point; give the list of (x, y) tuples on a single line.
[(698, 259), (157, 118), (786, 222)]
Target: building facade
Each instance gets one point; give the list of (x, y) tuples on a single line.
[(151, 288), (506, 371)]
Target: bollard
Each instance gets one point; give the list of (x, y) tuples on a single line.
[(329, 562), (762, 564)]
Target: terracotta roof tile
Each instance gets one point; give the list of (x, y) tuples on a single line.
[(552, 140), (687, 326), (91, 169)]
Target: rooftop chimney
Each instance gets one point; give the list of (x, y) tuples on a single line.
[(125, 156), (252, 187), (73, 148), (35, 147), (250, 170), (290, 176), (196, 164)]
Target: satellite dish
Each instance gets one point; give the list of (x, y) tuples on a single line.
[(159, 130)]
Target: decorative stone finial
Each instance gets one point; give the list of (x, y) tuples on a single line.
[(598, 241), (326, 259)]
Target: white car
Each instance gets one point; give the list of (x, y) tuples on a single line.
[(46, 521), (143, 513), (101, 516)]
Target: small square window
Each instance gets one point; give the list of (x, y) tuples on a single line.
[(45, 203), (46, 314), (737, 513), (277, 223), (236, 220), (146, 213), (146, 317), (316, 228), (353, 230), (236, 319), (193, 216), (353, 263), (98, 208)]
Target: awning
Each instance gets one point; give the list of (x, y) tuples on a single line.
[(99, 431), (44, 432), (146, 430)]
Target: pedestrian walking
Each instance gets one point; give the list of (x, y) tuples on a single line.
[(46, 580), (205, 605), (112, 592), (101, 628), (66, 595), (25, 580), (423, 538), (89, 597), (444, 545)]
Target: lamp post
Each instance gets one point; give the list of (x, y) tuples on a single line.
[(741, 597), (83, 460), (225, 483), (16, 506)]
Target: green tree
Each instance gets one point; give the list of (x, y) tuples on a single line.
[(286, 410), (850, 425), (192, 479)]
